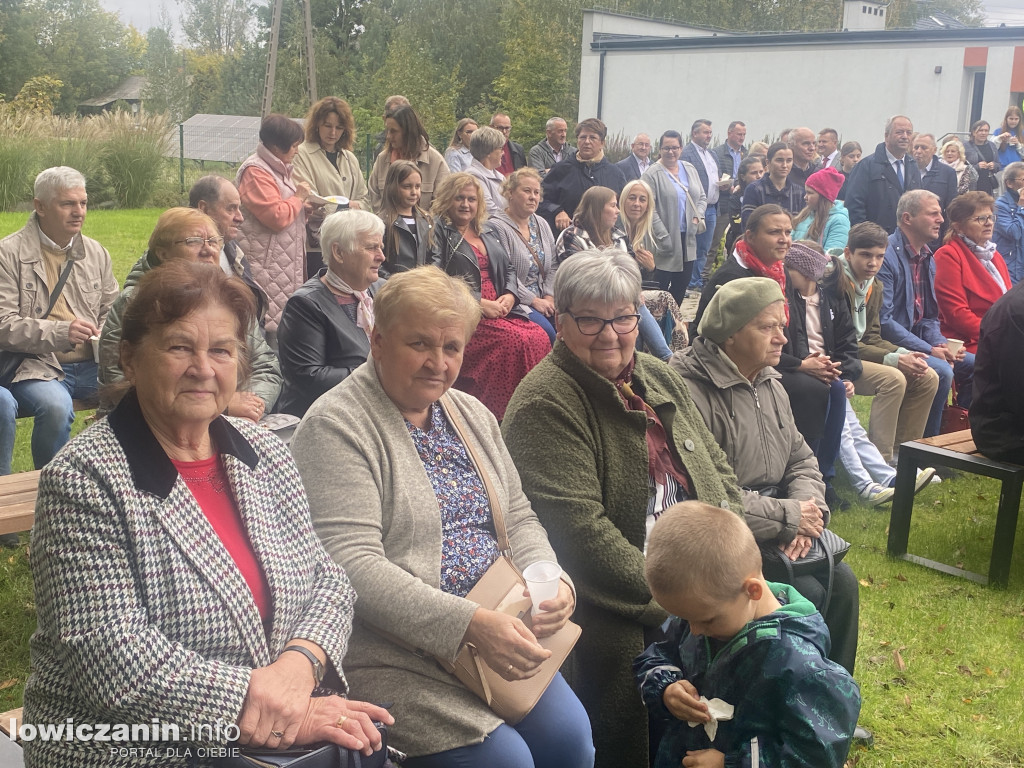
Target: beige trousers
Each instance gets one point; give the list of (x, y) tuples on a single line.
[(899, 407)]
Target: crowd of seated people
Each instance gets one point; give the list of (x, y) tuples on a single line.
[(196, 569)]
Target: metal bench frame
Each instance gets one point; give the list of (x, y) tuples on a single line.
[(957, 451)]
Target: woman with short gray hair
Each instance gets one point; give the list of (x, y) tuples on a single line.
[(606, 438), (325, 327), (486, 145)]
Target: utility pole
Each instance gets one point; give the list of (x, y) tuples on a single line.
[(275, 38)]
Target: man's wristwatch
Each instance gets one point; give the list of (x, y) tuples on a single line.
[(318, 667)]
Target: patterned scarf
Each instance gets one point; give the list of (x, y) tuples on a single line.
[(776, 271), (661, 459), (985, 253), (364, 312)]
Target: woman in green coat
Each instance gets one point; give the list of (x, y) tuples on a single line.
[(605, 439)]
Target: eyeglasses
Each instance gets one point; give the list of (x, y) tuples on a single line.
[(593, 326), (197, 242), (503, 128), (671, 149), (983, 219)]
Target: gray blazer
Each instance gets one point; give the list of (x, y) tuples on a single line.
[(375, 510), (666, 206), (542, 158)]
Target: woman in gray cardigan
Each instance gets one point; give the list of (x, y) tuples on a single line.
[(530, 246), (399, 502), (680, 202)]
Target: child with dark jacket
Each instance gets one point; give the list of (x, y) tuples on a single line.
[(742, 677)]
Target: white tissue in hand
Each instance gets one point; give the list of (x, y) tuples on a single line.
[(718, 710)]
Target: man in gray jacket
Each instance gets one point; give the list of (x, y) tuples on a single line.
[(59, 363)]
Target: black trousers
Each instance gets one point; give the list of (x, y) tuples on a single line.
[(843, 611)]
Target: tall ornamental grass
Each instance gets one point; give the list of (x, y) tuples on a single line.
[(122, 156)]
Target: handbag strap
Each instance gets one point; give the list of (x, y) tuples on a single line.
[(496, 514), (64, 275)]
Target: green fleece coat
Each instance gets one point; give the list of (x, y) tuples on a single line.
[(582, 457)]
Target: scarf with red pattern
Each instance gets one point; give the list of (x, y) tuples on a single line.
[(776, 271), (661, 459)]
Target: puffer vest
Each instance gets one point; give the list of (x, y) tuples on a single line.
[(277, 259)]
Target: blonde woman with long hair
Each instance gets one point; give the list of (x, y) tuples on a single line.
[(647, 235)]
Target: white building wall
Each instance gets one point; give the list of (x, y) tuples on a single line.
[(997, 84), (852, 88)]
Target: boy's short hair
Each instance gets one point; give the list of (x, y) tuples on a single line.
[(867, 235), (700, 549)]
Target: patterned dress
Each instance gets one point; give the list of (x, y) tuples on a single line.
[(501, 352), (468, 542)]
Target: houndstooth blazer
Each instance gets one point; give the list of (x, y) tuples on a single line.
[(142, 612)]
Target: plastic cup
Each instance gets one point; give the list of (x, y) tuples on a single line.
[(95, 341), (542, 580), (954, 346)]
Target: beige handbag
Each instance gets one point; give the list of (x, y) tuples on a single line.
[(501, 589)]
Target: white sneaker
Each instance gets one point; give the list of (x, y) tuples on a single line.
[(924, 477), (876, 495)]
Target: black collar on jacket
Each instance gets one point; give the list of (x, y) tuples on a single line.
[(151, 468)]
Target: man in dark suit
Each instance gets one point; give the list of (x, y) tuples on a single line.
[(639, 159), (513, 156), (936, 176), (874, 187)]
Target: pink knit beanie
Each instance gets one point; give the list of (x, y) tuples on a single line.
[(827, 182)]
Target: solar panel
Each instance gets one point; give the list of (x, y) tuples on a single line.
[(221, 138)]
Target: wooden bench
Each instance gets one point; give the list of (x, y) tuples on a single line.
[(18, 501), (10, 750), (957, 451)]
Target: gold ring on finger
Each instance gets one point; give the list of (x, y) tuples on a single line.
[(341, 721)]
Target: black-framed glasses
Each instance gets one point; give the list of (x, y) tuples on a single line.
[(592, 326), (197, 242), (983, 219)]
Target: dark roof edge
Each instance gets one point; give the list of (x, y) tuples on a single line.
[(734, 40)]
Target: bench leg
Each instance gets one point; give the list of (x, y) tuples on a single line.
[(902, 502), (1006, 529)]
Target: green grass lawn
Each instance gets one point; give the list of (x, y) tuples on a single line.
[(941, 660)]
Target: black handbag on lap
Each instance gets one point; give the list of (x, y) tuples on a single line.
[(314, 756), (820, 561)]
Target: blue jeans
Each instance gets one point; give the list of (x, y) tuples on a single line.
[(542, 320), (963, 374), (556, 734), (652, 335), (49, 404), (827, 449), (704, 242)]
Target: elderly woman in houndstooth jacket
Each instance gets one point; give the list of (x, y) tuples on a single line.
[(178, 579)]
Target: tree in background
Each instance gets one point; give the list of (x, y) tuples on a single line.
[(167, 79), (531, 87), (216, 26)]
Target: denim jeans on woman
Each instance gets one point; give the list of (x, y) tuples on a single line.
[(556, 734)]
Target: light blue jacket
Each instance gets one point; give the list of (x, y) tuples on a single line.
[(1009, 234), (837, 227)]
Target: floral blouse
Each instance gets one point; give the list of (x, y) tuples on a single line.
[(468, 542)]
